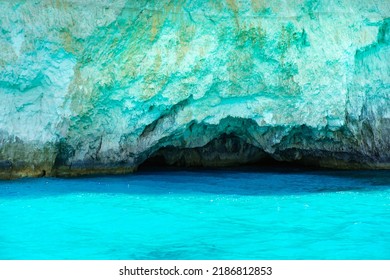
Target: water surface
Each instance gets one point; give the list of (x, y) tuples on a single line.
[(230, 214)]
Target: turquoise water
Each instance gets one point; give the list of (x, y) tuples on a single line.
[(198, 215)]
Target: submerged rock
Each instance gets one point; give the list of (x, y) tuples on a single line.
[(102, 86)]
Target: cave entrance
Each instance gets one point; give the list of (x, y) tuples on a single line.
[(226, 151)]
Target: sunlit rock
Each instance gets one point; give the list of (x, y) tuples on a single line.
[(101, 86)]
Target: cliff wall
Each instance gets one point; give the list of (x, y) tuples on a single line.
[(92, 86)]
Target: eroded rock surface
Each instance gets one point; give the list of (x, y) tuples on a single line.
[(100, 86)]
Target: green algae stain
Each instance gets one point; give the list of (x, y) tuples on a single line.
[(302, 38), (252, 36), (258, 5), (384, 32), (383, 39), (261, 7), (310, 7), (69, 43), (289, 36), (240, 67), (232, 4), (286, 38)]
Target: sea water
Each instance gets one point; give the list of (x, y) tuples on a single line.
[(225, 214)]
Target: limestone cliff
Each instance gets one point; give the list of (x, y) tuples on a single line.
[(91, 86)]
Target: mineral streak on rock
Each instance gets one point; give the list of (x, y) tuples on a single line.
[(100, 86)]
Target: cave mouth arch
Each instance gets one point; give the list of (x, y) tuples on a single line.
[(225, 151)]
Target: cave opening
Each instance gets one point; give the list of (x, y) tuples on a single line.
[(225, 151)]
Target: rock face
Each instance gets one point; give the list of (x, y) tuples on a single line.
[(96, 86)]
